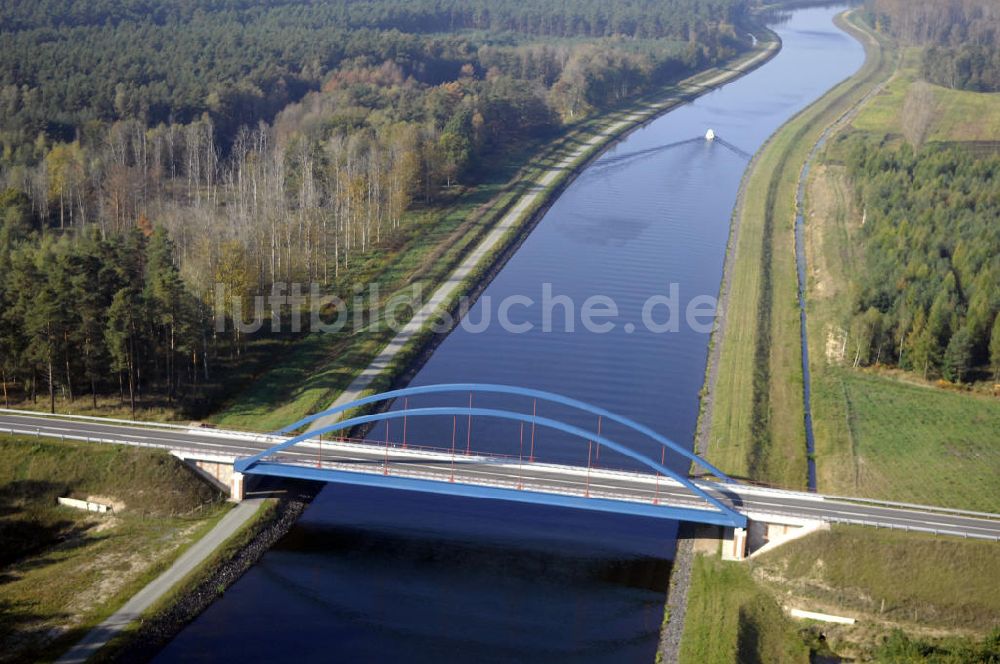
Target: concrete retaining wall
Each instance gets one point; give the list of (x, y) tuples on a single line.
[(85, 505)]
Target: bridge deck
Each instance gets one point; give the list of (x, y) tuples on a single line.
[(391, 466)]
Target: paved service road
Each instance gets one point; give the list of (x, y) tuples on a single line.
[(360, 457)]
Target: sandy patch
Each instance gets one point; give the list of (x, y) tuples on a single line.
[(113, 571), (836, 344)]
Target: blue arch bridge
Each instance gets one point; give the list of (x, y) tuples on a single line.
[(662, 492), (746, 517)]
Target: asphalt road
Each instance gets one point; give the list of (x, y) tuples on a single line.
[(512, 473)]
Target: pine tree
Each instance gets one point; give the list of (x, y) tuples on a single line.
[(8, 337), (995, 349), (120, 336), (165, 294), (60, 271), (41, 325), (958, 356), (91, 288)]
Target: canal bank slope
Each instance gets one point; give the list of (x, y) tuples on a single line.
[(902, 597), (222, 562), (882, 582), (751, 425), (153, 592), (64, 570)]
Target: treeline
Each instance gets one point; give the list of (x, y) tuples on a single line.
[(942, 22), (335, 173), (66, 63), (928, 296), (65, 82), (90, 316), (593, 18), (962, 36), (968, 67)]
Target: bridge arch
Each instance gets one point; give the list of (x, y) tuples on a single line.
[(247, 464), (490, 388)]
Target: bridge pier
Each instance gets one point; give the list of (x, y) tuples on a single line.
[(734, 543), (237, 490)]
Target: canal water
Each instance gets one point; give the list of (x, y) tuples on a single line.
[(377, 576)]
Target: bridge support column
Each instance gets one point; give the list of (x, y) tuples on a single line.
[(734, 544), (237, 491)]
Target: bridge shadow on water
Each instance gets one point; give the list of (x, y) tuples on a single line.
[(527, 559)]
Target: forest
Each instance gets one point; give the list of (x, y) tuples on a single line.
[(928, 296), (68, 62), (962, 38), (943, 22), (152, 150), (968, 67), (90, 316)]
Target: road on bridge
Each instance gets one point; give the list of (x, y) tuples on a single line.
[(491, 471)]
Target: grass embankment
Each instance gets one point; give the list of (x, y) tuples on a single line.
[(160, 619), (64, 571), (757, 425), (881, 437), (879, 576), (960, 116), (314, 371), (931, 587), (731, 619), (882, 433)]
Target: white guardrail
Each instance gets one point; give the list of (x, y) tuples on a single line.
[(91, 418), (914, 529), (193, 451)]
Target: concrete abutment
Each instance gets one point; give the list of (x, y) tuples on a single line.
[(217, 469), (765, 532)]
